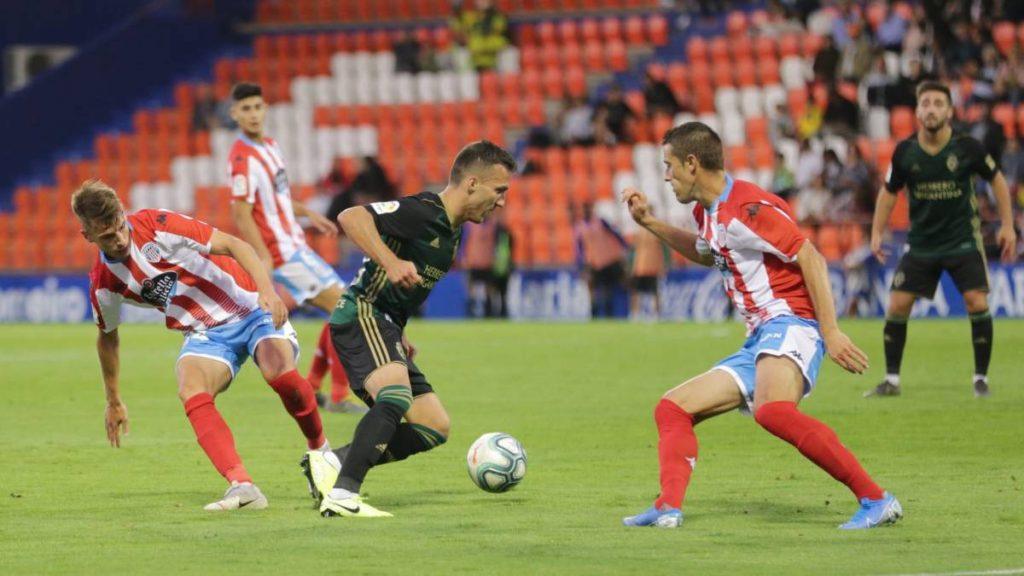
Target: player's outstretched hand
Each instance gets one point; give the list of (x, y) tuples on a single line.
[(272, 303), (639, 209), (410, 350), (322, 224), (878, 249), (844, 352), (403, 274), (117, 423), (1007, 238)]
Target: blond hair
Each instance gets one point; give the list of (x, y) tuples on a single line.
[(96, 203)]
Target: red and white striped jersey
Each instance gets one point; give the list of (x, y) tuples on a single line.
[(170, 268), (258, 177), (754, 240)]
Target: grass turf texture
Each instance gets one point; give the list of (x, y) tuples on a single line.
[(580, 398)]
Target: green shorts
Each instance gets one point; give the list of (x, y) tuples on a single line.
[(920, 275)]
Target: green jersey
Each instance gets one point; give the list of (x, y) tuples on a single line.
[(417, 229), (943, 208)]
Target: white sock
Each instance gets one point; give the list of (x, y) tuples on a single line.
[(326, 446), (981, 377), (341, 494), (893, 379)]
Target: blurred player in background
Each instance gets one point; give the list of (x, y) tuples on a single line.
[(650, 259), (212, 287), (779, 282), (938, 167), (409, 244), (264, 212)]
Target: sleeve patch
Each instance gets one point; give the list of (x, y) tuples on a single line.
[(239, 186), (382, 208)]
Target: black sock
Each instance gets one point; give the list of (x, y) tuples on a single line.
[(981, 336), (408, 439), (895, 336), (373, 434)]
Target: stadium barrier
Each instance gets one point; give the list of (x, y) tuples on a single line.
[(552, 294)]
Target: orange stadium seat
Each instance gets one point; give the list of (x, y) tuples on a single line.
[(657, 30), (829, 244), (736, 23), (550, 56), (697, 49), (789, 45), (746, 72), (764, 47), (593, 55), (546, 32), (741, 48), (568, 32), (531, 82), (611, 29), (1004, 114), (718, 50), (901, 122), (589, 30), (634, 28), (722, 75), (572, 55), (529, 58), (618, 59), (812, 43), (768, 71), (554, 82)]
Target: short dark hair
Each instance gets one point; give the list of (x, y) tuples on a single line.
[(244, 90), (481, 152), (698, 139), (933, 86)]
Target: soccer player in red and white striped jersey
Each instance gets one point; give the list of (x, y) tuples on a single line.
[(264, 211), (212, 287), (779, 282)]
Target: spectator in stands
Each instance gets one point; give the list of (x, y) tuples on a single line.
[(915, 40), (503, 267), (859, 180), (810, 122), (891, 31), (878, 83), (904, 91), (575, 122), (783, 179), (371, 183), (842, 115), (964, 47), (478, 261), (812, 203), (658, 97), (205, 113), (831, 170), (857, 54), (843, 22), (1012, 165), (612, 118), (408, 53), (781, 20), (782, 125), (1010, 79), (601, 254), (483, 30), (809, 165), (989, 132), (826, 62), (336, 186)]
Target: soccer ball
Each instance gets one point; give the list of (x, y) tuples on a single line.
[(497, 462)]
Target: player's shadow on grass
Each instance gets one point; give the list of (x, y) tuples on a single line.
[(762, 511), (453, 497)]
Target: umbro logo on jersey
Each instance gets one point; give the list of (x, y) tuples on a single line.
[(158, 290), (435, 243)]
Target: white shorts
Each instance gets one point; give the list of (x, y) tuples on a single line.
[(305, 275)]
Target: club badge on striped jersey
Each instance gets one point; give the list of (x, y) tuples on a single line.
[(151, 252)]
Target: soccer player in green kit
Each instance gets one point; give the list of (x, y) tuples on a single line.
[(937, 167), (409, 244)]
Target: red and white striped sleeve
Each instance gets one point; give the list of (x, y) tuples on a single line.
[(176, 232), (105, 300)]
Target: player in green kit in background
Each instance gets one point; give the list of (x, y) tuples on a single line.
[(937, 167), (410, 244)]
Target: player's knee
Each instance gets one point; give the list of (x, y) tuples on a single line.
[(769, 415), (976, 302)]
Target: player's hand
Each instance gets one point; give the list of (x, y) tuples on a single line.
[(403, 274), (410, 350), (639, 209), (272, 303), (1007, 238), (117, 423), (322, 224), (844, 352), (878, 249)]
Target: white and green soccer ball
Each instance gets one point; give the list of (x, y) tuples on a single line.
[(497, 462)]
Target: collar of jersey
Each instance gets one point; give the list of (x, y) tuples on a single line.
[(725, 193), (103, 255), (247, 140)]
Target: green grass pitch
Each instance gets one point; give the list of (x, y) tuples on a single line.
[(580, 397)]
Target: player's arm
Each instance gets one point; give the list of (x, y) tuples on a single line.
[(1007, 236), (116, 417), (359, 225), (884, 205), (839, 346), (322, 224), (682, 241), (241, 213), (245, 254)]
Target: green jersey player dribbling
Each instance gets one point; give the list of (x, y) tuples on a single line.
[(937, 168), (409, 244)]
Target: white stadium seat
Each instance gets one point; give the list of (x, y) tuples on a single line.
[(793, 71)]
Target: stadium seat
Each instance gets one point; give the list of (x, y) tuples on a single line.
[(1004, 114), (697, 49), (657, 30), (741, 48), (901, 120), (736, 23), (611, 30), (718, 51), (618, 59)]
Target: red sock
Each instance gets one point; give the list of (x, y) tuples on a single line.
[(298, 399), (819, 444), (215, 437), (339, 378), (320, 357), (677, 452)]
